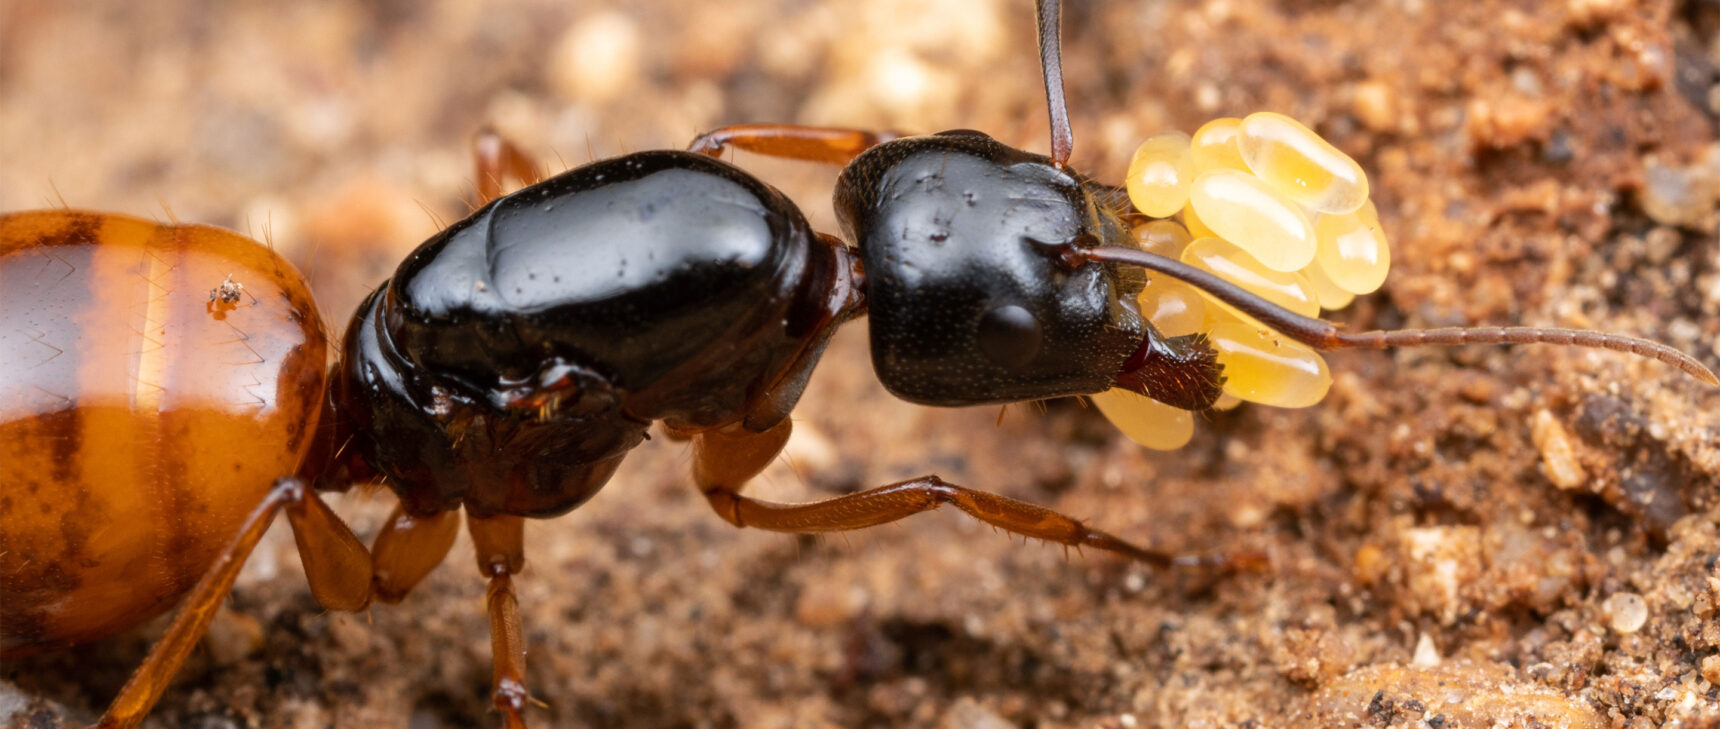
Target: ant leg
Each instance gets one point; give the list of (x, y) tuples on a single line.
[(498, 160), (833, 145), (335, 563), (500, 544), (726, 458), (723, 460), (407, 549)]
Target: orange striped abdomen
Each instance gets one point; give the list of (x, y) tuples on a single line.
[(139, 420)]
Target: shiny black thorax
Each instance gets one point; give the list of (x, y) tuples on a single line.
[(515, 358), (970, 299)]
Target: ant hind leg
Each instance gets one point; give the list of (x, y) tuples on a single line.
[(336, 564)]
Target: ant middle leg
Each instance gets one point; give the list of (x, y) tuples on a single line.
[(500, 550), (832, 145), (725, 458)]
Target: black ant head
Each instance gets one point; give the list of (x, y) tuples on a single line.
[(973, 295)]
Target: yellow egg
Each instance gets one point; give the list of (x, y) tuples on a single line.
[(1213, 146), (1196, 227), (1160, 173), (1250, 213), (1146, 421), (1230, 262), (1331, 295), (1174, 308), (1307, 168), (1167, 238), (1352, 249), (1265, 367)]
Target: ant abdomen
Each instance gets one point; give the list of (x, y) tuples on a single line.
[(117, 374)]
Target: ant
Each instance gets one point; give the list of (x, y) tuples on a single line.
[(515, 358)]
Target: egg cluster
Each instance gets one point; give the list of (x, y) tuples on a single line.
[(1264, 203)]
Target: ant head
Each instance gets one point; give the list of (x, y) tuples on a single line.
[(973, 298)]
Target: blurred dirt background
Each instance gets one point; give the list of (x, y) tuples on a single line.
[(1465, 538)]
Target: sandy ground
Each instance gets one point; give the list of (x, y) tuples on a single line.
[(1466, 538)]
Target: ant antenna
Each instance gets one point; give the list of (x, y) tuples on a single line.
[(1051, 62), (1325, 335)]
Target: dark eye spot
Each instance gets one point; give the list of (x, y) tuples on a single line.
[(1010, 336)]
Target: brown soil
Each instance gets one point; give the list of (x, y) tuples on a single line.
[(1457, 537)]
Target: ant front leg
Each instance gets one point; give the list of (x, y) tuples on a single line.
[(724, 459), (832, 145), (336, 564)]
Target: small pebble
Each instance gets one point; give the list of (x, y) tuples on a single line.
[(1375, 104), (232, 636), (967, 713), (1626, 612), (827, 604), (597, 59), (1426, 653), (1676, 196), (1558, 459), (1586, 13)]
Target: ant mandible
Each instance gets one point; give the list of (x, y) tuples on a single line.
[(515, 358)]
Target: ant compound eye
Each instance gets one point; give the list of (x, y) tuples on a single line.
[(1010, 335)]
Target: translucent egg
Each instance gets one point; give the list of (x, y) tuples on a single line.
[(1196, 227), (1265, 367), (1232, 263), (1167, 238), (1250, 213), (1307, 168), (1146, 421), (1352, 249), (1160, 174), (1331, 295), (1174, 308), (1213, 146), (1268, 205)]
